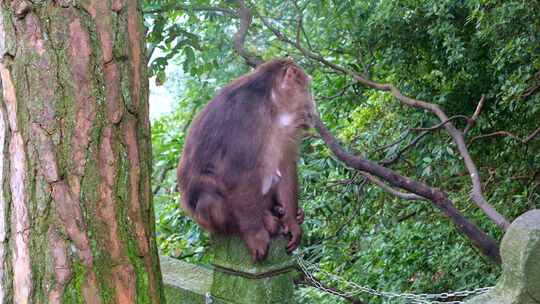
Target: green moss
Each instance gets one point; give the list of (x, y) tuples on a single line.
[(73, 291), (120, 47), (41, 259), (231, 253), (6, 283), (10, 44), (103, 268), (126, 229), (185, 283)]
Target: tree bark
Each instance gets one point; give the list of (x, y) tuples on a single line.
[(76, 215)]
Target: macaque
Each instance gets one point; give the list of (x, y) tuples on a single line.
[(237, 174)]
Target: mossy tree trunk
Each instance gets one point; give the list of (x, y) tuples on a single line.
[(76, 216)]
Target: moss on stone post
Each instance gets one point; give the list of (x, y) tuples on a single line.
[(240, 281), (520, 250), (185, 283)]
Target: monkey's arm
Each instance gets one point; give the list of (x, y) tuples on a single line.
[(287, 190)]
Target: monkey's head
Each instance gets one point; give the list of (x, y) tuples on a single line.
[(292, 94)]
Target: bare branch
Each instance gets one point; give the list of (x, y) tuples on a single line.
[(524, 141), (240, 36), (480, 239), (161, 178), (333, 183), (530, 91), (390, 190), (407, 216), (407, 147), (473, 119), (477, 193), (399, 140), (441, 124), (195, 8), (354, 213), (533, 89), (299, 19), (527, 139), (341, 93)]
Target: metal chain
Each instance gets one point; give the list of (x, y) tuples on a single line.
[(423, 298)]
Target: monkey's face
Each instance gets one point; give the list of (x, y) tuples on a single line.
[(296, 97), (307, 110)]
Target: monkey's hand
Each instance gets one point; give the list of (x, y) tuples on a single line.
[(292, 228)]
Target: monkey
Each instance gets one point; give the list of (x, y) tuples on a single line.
[(238, 171)]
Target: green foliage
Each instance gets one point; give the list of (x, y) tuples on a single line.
[(446, 52)]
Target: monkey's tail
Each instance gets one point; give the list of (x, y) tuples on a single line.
[(211, 213)]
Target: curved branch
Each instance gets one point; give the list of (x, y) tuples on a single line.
[(392, 191), (524, 141), (435, 127), (341, 93), (396, 142), (480, 239), (473, 119), (161, 178), (413, 142), (240, 36)]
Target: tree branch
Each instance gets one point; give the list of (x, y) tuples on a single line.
[(195, 8), (480, 239), (407, 147), (477, 193), (441, 124), (161, 178), (341, 93), (346, 223), (396, 142), (240, 36), (530, 91), (524, 141), (473, 119), (533, 89), (392, 191)]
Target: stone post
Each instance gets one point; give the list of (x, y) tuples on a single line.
[(520, 251), (237, 280)]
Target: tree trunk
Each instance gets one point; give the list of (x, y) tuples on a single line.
[(76, 215)]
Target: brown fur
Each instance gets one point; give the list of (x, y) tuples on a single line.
[(237, 174)]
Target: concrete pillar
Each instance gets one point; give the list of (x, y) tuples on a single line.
[(520, 251), (237, 280)]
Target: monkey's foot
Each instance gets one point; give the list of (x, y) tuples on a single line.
[(258, 242), (292, 228), (271, 223)]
